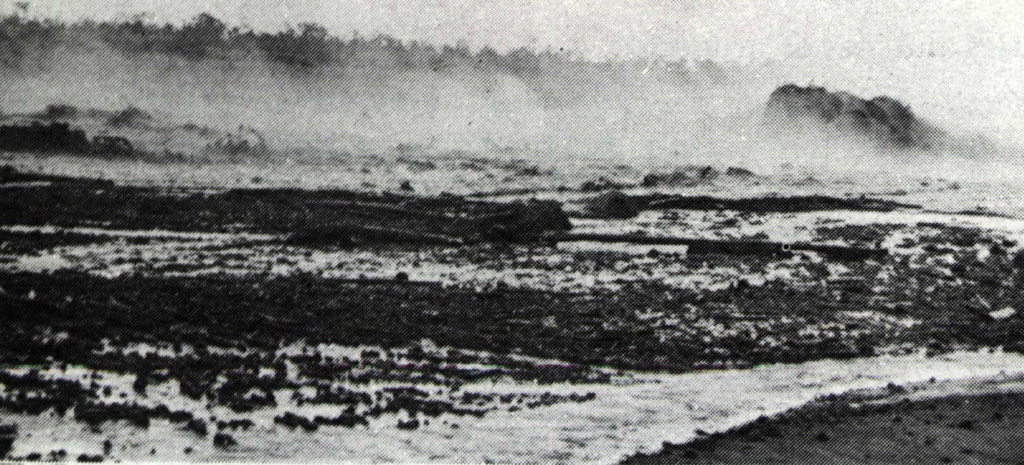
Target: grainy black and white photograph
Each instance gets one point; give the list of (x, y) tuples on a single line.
[(481, 231)]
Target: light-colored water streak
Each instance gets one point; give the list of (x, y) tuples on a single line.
[(627, 419)]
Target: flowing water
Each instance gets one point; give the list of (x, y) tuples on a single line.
[(635, 415)]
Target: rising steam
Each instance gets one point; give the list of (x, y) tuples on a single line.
[(305, 88)]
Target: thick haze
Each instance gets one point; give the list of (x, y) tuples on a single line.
[(956, 63), (941, 55)]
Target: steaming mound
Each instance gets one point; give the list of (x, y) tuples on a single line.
[(884, 121)]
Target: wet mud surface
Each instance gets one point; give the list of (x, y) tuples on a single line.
[(218, 327)]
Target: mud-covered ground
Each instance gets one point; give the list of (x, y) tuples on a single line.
[(208, 331), (952, 422)]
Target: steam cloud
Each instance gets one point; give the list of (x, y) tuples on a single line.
[(372, 95)]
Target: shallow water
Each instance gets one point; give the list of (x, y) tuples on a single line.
[(627, 419), (637, 415)]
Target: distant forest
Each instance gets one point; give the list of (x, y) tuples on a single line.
[(25, 41)]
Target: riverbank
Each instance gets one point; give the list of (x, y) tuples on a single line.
[(955, 421)]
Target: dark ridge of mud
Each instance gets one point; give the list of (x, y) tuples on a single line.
[(9, 175), (778, 204), (981, 428), (60, 137), (323, 215), (615, 204)]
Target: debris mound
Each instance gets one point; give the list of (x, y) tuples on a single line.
[(884, 121)]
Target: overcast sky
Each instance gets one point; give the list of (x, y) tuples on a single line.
[(939, 54)]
